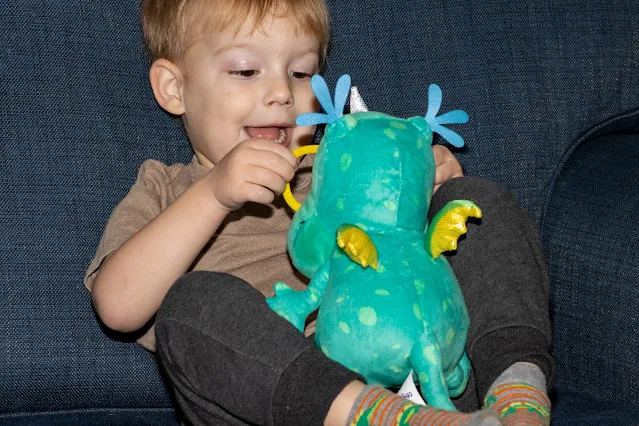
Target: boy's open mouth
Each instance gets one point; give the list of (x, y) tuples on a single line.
[(277, 134)]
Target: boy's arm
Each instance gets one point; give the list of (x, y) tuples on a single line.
[(134, 279)]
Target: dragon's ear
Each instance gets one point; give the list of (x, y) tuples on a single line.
[(452, 117), (334, 109), (423, 127)]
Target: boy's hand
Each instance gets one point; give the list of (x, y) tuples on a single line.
[(446, 166), (254, 170)]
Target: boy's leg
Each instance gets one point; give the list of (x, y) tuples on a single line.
[(501, 270), (232, 360)]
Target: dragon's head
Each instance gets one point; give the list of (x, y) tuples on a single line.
[(371, 170)]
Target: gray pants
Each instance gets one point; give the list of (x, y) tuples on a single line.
[(231, 360)]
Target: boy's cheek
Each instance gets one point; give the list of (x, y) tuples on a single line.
[(306, 101), (304, 133), (303, 136), (315, 105)]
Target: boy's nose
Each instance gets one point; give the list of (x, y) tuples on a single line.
[(279, 93)]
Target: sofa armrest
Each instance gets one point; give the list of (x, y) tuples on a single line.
[(591, 241)]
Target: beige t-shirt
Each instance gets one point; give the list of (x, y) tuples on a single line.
[(250, 243)]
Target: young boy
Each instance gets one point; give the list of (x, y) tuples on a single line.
[(237, 73)]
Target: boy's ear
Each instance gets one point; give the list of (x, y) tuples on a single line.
[(166, 81)]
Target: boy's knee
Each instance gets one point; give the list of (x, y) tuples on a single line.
[(199, 288), (470, 187), (200, 294), (482, 192), (187, 288)]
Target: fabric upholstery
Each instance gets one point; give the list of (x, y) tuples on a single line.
[(78, 118), (592, 240), (532, 75)]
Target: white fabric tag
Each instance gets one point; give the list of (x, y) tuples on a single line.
[(409, 390)]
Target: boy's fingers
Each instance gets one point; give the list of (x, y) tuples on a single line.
[(447, 171), (267, 145), (271, 160), (446, 164), (441, 175), (267, 179), (259, 194)]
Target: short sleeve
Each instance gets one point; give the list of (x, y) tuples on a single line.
[(146, 199)]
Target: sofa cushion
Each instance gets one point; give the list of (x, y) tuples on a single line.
[(77, 120), (95, 417), (572, 409)]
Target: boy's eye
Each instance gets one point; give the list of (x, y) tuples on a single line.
[(244, 73), (300, 75)]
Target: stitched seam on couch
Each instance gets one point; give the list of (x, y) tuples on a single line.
[(83, 411), (568, 154)]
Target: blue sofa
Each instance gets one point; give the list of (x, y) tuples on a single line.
[(552, 89)]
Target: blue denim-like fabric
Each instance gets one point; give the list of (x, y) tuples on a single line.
[(533, 75), (576, 410), (96, 417), (78, 118), (592, 243)]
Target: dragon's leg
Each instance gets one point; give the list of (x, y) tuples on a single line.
[(426, 360), (295, 306), (458, 379)]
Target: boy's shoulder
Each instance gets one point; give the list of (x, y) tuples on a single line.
[(154, 173), (156, 187)]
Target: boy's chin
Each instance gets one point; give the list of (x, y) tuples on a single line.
[(203, 160)]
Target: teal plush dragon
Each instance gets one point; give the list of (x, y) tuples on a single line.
[(388, 301)]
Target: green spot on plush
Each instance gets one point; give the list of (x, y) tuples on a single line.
[(388, 301)]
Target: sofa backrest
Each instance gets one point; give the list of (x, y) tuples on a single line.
[(533, 75), (78, 118)]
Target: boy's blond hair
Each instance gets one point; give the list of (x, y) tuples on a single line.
[(170, 27)]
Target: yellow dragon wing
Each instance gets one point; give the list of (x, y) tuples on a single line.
[(448, 225), (357, 245)]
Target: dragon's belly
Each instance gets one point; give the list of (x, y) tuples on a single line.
[(373, 340), (370, 322)]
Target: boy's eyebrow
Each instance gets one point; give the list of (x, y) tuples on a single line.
[(252, 48), (313, 49), (241, 46)]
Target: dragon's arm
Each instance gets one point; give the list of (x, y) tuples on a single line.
[(317, 287), (295, 306), (448, 225)]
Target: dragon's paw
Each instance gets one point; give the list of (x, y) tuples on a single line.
[(290, 304)]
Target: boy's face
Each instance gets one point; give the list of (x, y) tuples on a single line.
[(241, 86)]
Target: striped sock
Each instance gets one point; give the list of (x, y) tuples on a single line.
[(378, 406), (518, 396)]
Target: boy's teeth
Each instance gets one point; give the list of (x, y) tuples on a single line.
[(282, 136), (276, 134)]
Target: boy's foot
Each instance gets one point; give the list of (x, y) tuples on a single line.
[(519, 396), (520, 405), (378, 406)]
